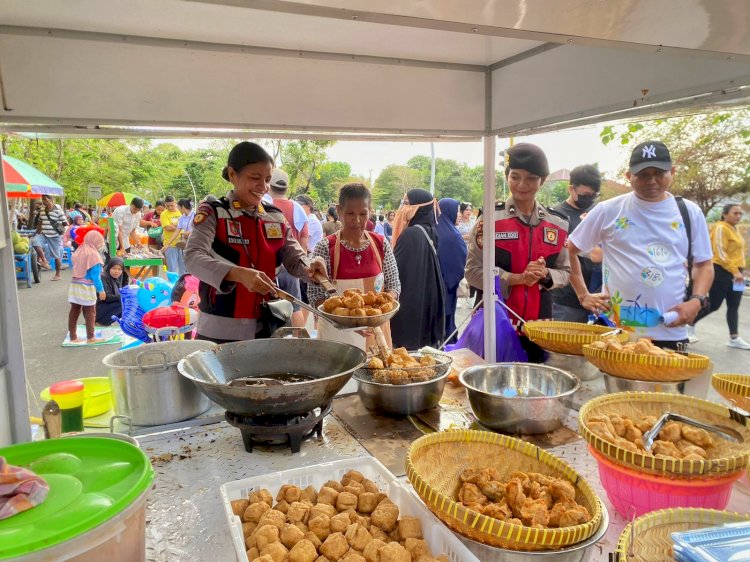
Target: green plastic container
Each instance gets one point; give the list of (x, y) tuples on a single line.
[(95, 509)]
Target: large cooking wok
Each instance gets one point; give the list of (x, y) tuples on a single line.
[(331, 364)]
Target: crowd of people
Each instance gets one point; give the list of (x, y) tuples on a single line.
[(645, 259)]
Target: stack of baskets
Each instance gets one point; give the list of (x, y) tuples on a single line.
[(641, 482), (648, 538), (434, 465), (566, 337)]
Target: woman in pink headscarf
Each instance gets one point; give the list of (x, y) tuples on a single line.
[(85, 286)]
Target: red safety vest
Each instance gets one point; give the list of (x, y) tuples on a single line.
[(254, 242)]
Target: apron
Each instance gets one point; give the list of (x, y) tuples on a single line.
[(328, 332)]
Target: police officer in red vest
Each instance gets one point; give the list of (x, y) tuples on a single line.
[(235, 247), (530, 243)]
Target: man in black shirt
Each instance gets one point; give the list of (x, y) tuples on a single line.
[(585, 182)]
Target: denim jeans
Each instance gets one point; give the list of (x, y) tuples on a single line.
[(175, 260)]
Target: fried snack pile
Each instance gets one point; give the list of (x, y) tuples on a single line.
[(398, 367), (356, 303), (642, 347), (346, 521), (530, 499), (675, 440)]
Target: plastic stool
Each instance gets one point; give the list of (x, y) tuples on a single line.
[(67, 256), (23, 267)]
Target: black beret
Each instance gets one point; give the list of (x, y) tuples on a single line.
[(527, 157)]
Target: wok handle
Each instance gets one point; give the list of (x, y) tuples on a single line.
[(140, 356), (324, 282)]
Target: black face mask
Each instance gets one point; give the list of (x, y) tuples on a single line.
[(585, 201)]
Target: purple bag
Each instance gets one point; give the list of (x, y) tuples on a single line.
[(507, 345)]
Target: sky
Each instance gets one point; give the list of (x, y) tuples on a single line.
[(564, 149)]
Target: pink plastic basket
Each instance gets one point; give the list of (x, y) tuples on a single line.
[(628, 489)]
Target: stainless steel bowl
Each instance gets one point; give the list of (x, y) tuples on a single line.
[(619, 384), (576, 364), (402, 399), (580, 552), (519, 397)]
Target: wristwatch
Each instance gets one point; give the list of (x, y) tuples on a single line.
[(703, 299)]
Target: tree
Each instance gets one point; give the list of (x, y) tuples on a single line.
[(551, 194), (330, 177), (393, 183), (710, 151), (301, 160)]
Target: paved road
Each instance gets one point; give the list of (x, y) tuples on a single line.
[(44, 311)]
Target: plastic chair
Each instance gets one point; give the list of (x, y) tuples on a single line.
[(23, 267), (67, 257)]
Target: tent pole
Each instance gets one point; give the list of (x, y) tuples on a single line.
[(488, 250)]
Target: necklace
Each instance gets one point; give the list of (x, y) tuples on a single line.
[(358, 258), (357, 251)]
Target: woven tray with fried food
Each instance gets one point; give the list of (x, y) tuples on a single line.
[(723, 457), (649, 538), (566, 337)]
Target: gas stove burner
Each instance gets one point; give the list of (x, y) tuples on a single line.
[(279, 430)]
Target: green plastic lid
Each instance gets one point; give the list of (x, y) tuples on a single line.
[(91, 480)]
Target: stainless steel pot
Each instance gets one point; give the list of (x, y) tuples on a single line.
[(576, 364), (619, 384), (146, 386), (580, 552), (519, 397), (327, 364)]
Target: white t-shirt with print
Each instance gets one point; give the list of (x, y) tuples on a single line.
[(645, 258)]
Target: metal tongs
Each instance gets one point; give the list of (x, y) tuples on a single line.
[(725, 432)]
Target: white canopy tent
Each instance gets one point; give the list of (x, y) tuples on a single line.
[(358, 69)]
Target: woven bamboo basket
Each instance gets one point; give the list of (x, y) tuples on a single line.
[(725, 457), (648, 538), (434, 464), (735, 388), (566, 337), (659, 368)]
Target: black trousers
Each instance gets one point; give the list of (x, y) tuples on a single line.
[(721, 290)]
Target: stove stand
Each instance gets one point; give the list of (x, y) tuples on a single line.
[(279, 430)]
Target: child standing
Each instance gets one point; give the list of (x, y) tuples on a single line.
[(84, 286)]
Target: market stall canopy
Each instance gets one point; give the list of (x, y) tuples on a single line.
[(23, 180), (360, 68)]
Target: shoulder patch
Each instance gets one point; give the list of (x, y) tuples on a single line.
[(479, 233), (199, 217)]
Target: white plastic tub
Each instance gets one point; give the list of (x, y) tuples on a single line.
[(120, 539), (440, 539)]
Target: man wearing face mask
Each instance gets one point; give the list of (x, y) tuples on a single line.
[(585, 182)]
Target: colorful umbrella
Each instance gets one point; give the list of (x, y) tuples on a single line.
[(23, 180), (116, 199)]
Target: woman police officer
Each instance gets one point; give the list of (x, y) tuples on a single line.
[(235, 247)]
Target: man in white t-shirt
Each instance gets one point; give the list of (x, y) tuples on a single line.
[(645, 244)]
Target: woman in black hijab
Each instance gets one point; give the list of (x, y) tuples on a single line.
[(421, 319), (113, 278)]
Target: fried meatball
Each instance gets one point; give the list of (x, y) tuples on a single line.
[(417, 548), (352, 556), (313, 538), (328, 495), (346, 500), (303, 551), (367, 502), (321, 526), (309, 494), (340, 523), (576, 516), (290, 535), (239, 507), (277, 551), (255, 511), (272, 517), (409, 528), (265, 535), (335, 484), (357, 536), (385, 516), (334, 547), (394, 552), (282, 506), (248, 528), (371, 553), (322, 509), (298, 512)]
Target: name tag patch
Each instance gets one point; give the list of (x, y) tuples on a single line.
[(511, 235), (273, 230), (550, 235), (234, 232)]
